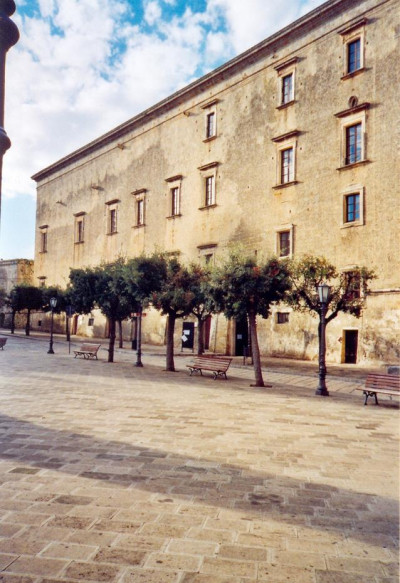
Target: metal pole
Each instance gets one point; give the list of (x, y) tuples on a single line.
[(139, 339), (51, 351), (9, 36), (322, 389)]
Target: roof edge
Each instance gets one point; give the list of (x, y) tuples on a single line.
[(327, 8)]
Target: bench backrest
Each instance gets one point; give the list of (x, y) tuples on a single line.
[(90, 347), (380, 381), (220, 362)]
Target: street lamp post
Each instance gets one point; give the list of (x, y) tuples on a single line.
[(139, 338), (53, 303), (9, 36), (323, 295)]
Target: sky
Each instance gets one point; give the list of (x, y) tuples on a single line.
[(82, 67)]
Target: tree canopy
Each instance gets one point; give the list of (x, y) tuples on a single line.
[(348, 289), (243, 288)]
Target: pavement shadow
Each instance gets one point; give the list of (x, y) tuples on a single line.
[(32, 447)]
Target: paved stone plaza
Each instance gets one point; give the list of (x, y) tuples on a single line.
[(113, 473)]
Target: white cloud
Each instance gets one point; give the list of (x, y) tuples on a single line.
[(81, 67), (152, 13)]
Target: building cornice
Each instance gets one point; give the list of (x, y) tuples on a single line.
[(300, 27)]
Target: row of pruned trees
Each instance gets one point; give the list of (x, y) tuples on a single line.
[(240, 286), (29, 298)]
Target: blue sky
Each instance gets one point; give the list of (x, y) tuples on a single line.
[(82, 67)]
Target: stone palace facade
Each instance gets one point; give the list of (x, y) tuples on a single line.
[(291, 147)]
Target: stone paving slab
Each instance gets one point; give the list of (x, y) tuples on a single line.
[(114, 473)]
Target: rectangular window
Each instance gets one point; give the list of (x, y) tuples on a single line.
[(284, 243), (175, 201), (79, 231), (287, 89), (113, 221), (352, 208), (140, 212), (210, 191), (353, 144), (287, 166), (43, 242), (353, 285), (210, 125), (282, 317), (354, 56)]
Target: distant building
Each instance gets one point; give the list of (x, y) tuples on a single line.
[(13, 272), (289, 148)]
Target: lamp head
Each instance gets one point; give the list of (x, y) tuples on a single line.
[(323, 292), (53, 303)]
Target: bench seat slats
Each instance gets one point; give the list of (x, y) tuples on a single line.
[(217, 365), (88, 350), (386, 384)]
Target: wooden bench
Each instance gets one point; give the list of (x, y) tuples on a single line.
[(386, 384), (2, 342), (87, 350), (218, 365)]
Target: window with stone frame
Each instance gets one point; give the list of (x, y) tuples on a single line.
[(43, 238), (286, 82), (210, 124), (353, 47), (175, 201), (353, 282), (79, 227), (140, 212)]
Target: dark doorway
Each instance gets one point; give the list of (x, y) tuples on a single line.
[(188, 335), (241, 337), (350, 346)]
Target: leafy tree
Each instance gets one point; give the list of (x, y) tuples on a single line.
[(242, 288), (144, 277), (24, 297), (103, 287), (62, 302), (348, 289), (203, 304), (3, 298), (175, 300)]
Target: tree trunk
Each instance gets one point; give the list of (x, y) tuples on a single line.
[(170, 342), (255, 350), (12, 328), (121, 340), (28, 323), (200, 335), (112, 340)]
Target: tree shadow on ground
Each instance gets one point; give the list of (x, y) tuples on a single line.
[(368, 518)]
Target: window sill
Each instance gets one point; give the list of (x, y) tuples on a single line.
[(354, 165), (352, 224), (206, 207), (139, 226), (174, 216), (113, 233), (285, 105), (42, 252), (285, 185), (79, 242), (353, 74), (210, 139)]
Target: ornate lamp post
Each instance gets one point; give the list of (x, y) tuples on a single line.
[(9, 36), (323, 295), (53, 303)]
